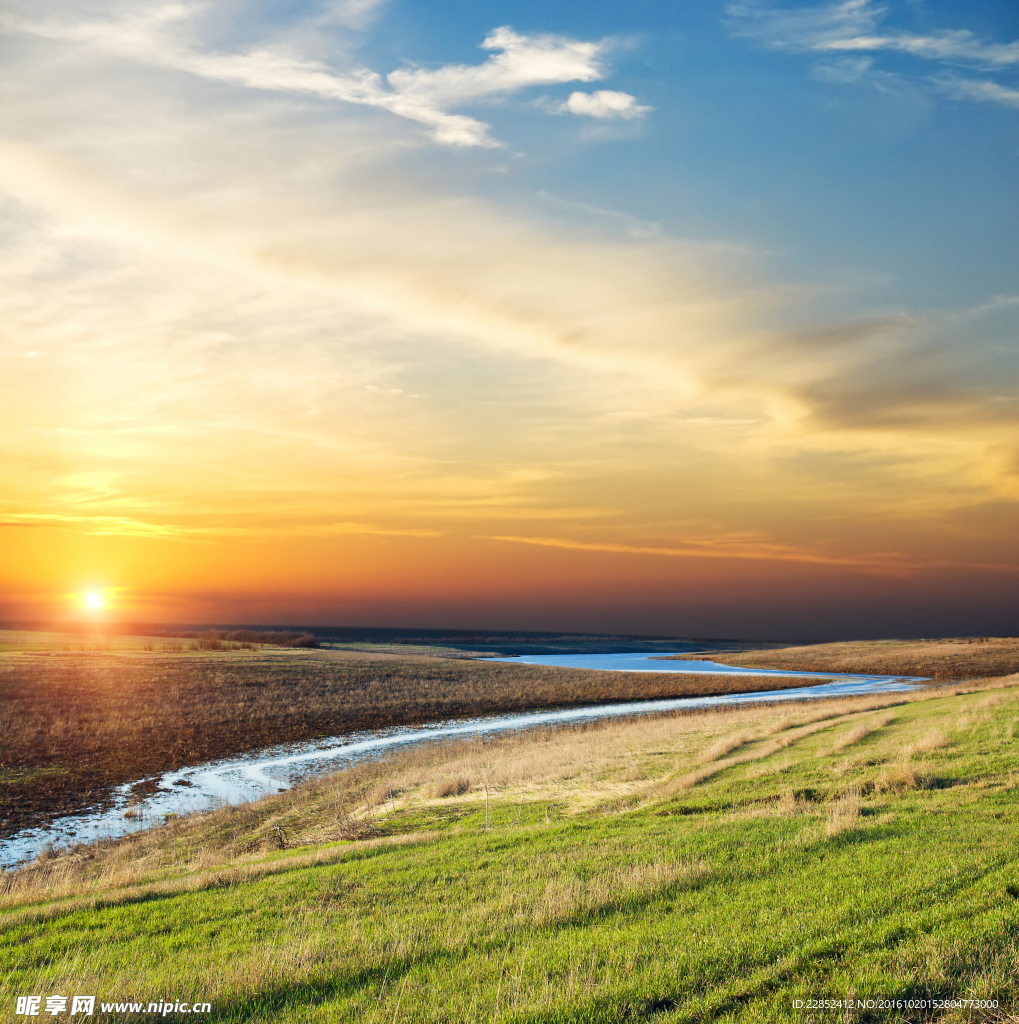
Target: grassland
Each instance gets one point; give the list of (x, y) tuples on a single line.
[(81, 715), (709, 867), (962, 658)]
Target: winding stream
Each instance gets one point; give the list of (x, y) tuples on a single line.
[(644, 662), (272, 770)]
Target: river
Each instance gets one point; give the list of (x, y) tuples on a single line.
[(251, 776)]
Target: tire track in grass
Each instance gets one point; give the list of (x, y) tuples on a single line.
[(789, 735), (860, 732)]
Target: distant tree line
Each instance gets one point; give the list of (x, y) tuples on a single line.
[(209, 637)]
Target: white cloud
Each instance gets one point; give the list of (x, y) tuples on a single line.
[(605, 104), (158, 36), (802, 28), (213, 281), (519, 62), (960, 45), (989, 92), (852, 26)]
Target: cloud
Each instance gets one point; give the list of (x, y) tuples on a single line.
[(357, 14), (231, 288), (605, 104), (157, 37), (803, 28), (958, 46), (519, 62), (635, 227), (854, 27), (982, 90), (119, 526), (844, 70), (753, 549)]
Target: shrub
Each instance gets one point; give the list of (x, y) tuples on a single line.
[(451, 787)]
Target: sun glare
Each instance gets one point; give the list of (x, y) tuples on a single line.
[(95, 600)]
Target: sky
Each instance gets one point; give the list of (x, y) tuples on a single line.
[(674, 318)]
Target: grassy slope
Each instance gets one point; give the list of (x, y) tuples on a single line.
[(960, 658), (711, 867)]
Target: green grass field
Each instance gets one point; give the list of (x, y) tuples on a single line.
[(716, 867)]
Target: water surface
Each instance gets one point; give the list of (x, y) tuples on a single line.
[(249, 777), (652, 662)]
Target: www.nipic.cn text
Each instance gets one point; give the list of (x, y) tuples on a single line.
[(85, 1006)]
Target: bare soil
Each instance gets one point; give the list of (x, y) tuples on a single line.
[(75, 724)]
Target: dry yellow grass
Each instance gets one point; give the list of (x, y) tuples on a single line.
[(519, 897), (861, 731), (790, 803), (933, 739), (843, 813), (789, 730), (566, 896), (963, 658), (725, 745), (451, 787), (902, 777), (608, 765), (570, 769), (73, 724), (56, 885)]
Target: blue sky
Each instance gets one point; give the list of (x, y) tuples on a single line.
[(870, 163), (852, 138), (658, 285)]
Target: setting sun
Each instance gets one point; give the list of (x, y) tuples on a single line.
[(694, 360)]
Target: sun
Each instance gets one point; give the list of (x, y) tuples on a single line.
[(95, 601)]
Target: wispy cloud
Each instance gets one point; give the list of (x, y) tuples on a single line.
[(636, 227), (981, 89), (803, 28), (356, 14), (158, 36), (122, 526), (734, 548), (235, 297), (856, 27), (843, 70), (97, 525), (894, 564)]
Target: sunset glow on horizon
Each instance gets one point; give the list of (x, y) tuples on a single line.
[(689, 322)]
